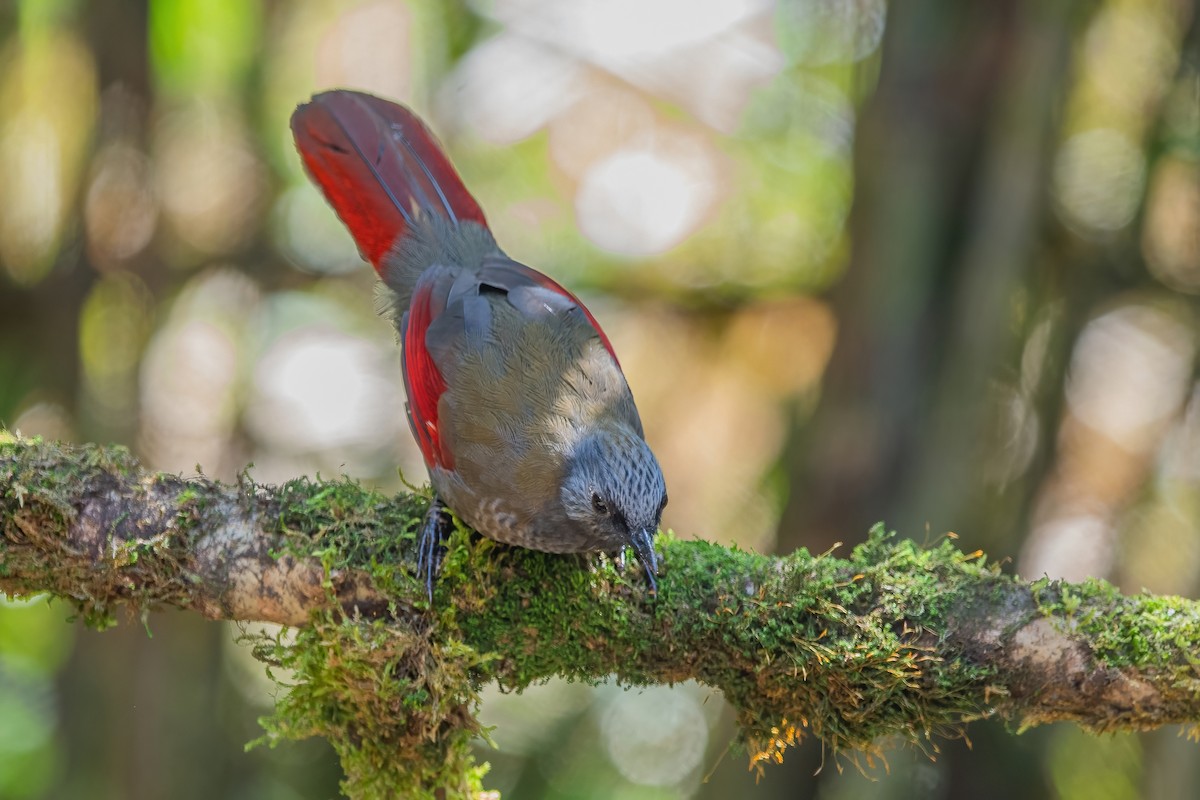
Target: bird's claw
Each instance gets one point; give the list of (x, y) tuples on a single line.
[(434, 530)]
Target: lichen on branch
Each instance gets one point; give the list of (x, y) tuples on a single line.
[(892, 639)]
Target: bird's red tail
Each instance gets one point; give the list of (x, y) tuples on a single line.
[(380, 168)]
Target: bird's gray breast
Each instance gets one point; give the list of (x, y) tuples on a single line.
[(511, 520)]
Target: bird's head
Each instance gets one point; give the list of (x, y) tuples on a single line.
[(614, 490)]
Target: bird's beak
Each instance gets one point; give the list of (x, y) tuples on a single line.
[(643, 546)]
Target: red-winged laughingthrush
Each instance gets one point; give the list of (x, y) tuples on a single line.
[(515, 395)]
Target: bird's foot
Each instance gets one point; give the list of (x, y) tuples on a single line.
[(430, 550)]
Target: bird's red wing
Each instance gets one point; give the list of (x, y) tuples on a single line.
[(422, 380), (509, 274)]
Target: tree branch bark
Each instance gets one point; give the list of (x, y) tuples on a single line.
[(893, 639)]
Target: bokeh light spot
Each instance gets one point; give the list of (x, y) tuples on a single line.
[(317, 388), (1118, 355), (817, 32), (509, 87), (638, 202), (1098, 178), (120, 211), (1171, 234), (655, 736), (210, 180)]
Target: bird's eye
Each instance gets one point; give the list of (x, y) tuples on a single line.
[(598, 504)]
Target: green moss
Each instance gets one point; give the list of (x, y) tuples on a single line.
[(848, 649), (39, 489), (347, 526), (397, 706), (849, 657), (1152, 635), (394, 693)]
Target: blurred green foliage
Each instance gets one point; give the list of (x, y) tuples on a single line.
[(34, 644), (203, 46)]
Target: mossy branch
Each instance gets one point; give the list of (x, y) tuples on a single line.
[(895, 639)]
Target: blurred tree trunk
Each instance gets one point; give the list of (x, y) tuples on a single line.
[(952, 152), (951, 160)]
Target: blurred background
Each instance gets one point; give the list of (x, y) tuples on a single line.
[(935, 263)]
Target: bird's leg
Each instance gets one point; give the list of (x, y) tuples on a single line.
[(434, 530)]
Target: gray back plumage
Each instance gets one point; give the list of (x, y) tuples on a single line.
[(434, 240)]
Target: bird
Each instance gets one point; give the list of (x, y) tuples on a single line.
[(515, 395)]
